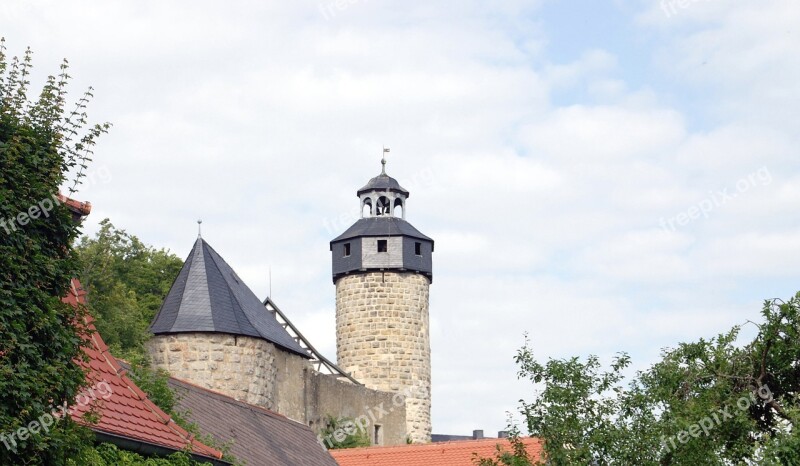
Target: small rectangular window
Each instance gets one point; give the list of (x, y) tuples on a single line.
[(382, 245), (418, 248), (378, 435), (346, 249)]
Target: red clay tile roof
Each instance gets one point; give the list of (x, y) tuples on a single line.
[(460, 453), (123, 409), (81, 209)]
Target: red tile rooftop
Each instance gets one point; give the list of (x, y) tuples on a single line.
[(78, 208), (459, 453), (123, 410)]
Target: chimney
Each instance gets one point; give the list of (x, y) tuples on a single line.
[(502, 434), (477, 434)]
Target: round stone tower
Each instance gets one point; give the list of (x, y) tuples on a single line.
[(214, 332), (382, 270)]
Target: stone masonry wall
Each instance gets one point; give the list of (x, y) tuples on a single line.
[(383, 339), (240, 367), (290, 387), (369, 409), (257, 372)]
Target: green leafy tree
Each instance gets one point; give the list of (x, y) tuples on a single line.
[(127, 281), (710, 402), (41, 142), (41, 145)]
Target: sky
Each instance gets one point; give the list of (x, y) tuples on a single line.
[(601, 176)]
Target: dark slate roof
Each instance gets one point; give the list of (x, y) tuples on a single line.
[(257, 436), (383, 182), (381, 226), (208, 296)]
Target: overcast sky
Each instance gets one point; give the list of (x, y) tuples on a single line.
[(606, 176)]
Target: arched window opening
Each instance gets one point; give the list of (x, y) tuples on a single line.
[(398, 208), (383, 206), (366, 208)]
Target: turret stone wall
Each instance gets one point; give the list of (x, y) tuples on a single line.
[(241, 367), (383, 339)]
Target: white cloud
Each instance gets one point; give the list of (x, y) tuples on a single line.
[(740, 53), (604, 133)]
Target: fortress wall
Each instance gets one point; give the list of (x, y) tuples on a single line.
[(257, 372), (240, 367), (329, 396), (290, 389)]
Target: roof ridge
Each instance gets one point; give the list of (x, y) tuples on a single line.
[(187, 288), (185, 264), (231, 294)]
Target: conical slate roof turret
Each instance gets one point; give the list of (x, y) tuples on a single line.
[(383, 182), (208, 296)]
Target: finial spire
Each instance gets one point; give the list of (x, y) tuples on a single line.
[(383, 161), (199, 229)]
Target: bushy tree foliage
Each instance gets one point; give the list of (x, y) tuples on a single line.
[(710, 402), (41, 142), (109, 455), (44, 146), (127, 281)]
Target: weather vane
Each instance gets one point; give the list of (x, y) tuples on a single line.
[(199, 231), (383, 160)]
